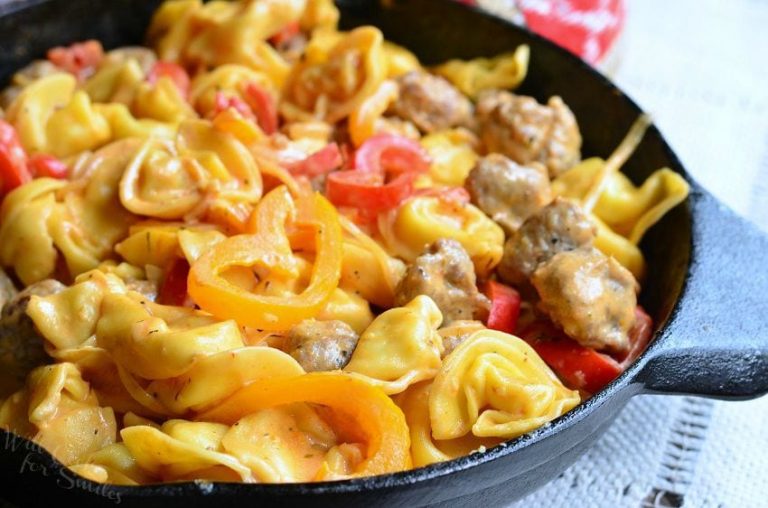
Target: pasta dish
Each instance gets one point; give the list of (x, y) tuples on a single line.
[(261, 249)]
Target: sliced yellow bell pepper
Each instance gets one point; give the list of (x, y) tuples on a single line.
[(372, 416), (268, 251)]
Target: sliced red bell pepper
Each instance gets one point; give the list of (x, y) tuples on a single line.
[(319, 163), (367, 191), (365, 186), (173, 290), (263, 105), (13, 160), (285, 34), (577, 366), (391, 154), (172, 70), (47, 165), (80, 58), (223, 102), (505, 306)]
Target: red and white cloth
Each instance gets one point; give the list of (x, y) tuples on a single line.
[(588, 28)]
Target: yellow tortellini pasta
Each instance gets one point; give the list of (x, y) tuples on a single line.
[(113, 464), (159, 342), (453, 156), (213, 378), (399, 60), (347, 306), (51, 314), (81, 220), (333, 87), (204, 170), (400, 347), (367, 269), (52, 117), (421, 221), (183, 450), (161, 101), (495, 385), (296, 443), (58, 410), (115, 82), (230, 79), (216, 33), (159, 243), (125, 125), (500, 72), (425, 449)]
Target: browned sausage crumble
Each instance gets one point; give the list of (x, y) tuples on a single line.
[(431, 102), (560, 226), (526, 131), (446, 274), (590, 296), (508, 192), (322, 345)]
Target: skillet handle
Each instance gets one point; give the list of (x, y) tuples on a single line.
[(716, 344)]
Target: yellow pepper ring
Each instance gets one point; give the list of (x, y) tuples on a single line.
[(269, 248), (380, 422)]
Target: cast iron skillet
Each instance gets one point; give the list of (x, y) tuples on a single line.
[(705, 289)]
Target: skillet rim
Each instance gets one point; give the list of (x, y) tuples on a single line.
[(628, 380)]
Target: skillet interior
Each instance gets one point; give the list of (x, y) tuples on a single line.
[(435, 30)]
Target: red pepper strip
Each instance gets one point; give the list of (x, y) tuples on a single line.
[(388, 153), (285, 34), (365, 190), (579, 367), (364, 187), (319, 163), (173, 290), (80, 59), (505, 307), (13, 160), (47, 165), (263, 105), (174, 71), (223, 102), (639, 337)]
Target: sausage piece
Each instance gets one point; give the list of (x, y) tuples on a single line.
[(558, 227), (590, 295), (431, 102), (526, 131), (457, 332), (446, 274), (21, 346), (508, 192), (322, 345)]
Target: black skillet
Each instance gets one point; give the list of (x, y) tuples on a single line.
[(706, 287)]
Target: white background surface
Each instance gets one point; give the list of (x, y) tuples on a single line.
[(701, 68)]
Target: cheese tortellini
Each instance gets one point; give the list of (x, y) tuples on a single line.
[(400, 347), (60, 412), (421, 221), (495, 385), (79, 220)]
